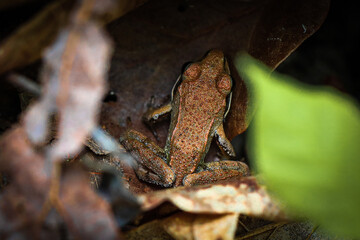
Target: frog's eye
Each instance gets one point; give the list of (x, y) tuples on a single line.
[(224, 84), (192, 72)]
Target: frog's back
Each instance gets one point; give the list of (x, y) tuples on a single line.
[(198, 109)]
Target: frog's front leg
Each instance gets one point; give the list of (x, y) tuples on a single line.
[(224, 143), (153, 115), (151, 158), (217, 171)]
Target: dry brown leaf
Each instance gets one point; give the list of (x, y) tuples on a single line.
[(74, 79), (151, 50), (74, 83), (211, 211), (201, 226), (280, 27), (244, 196), (26, 45), (22, 200), (252, 26), (88, 216)]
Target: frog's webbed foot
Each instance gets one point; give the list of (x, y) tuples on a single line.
[(151, 159), (154, 115), (202, 167), (217, 171)]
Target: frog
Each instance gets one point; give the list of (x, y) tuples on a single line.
[(200, 101)]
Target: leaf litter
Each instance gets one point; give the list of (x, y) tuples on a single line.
[(73, 81)]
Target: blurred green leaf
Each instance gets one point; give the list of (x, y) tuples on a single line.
[(305, 143)]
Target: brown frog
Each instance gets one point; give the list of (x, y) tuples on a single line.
[(200, 101)]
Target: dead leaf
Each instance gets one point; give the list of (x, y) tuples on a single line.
[(138, 73), (88, 216), (74, 82), (75, 69), (27, 44), (244, 196), (280, 27), (22, 200), (15, 50), (201, 226), (212, 211), (151, 50), (110, 185)]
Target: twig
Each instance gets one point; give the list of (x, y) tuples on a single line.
[(24, 83), (261, 230), (244, 226), (53, 195), (312, 232), (272, 233)]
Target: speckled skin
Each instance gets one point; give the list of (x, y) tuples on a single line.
[(197, 113)]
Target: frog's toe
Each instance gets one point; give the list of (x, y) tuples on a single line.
[(169, 179)]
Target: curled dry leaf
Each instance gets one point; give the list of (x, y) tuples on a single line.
[(211, 211), (245, 196)]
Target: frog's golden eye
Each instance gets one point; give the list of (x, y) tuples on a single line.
[(224, 84), (192, 72)]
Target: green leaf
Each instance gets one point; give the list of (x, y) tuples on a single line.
[(305, 144)]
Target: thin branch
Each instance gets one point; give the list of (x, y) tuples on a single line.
[(261, 230)]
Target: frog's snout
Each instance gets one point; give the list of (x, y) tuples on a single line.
[(215, 58)]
